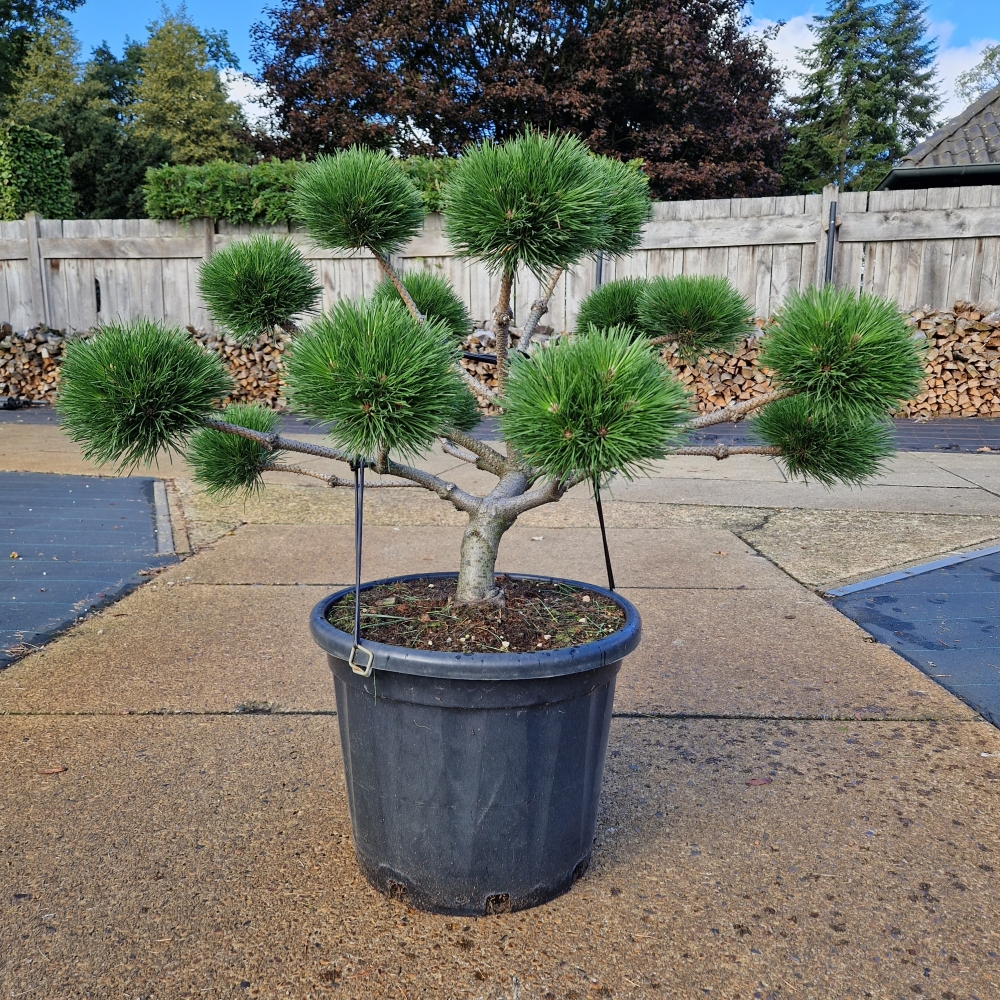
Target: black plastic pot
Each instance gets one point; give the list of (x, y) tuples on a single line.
[(473, 779)]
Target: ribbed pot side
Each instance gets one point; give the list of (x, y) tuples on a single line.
[(473, 779)]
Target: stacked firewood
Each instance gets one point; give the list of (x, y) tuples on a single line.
[(29, 362), (256, 368), (963, 364)]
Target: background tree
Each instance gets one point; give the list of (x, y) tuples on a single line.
[(677, 83), (179, 96), (981, 78), (89, 109), (909, 81), (19, 20), (868, 93)]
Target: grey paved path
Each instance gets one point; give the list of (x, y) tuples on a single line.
[(70, 544)]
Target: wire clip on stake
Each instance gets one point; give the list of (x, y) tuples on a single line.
[(604, 534), (358, 468)]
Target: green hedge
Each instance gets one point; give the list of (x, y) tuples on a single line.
[(34, 174), (259, 194)]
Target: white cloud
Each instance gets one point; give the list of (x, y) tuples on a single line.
[(951, 59), (252, 97), (793, 35)]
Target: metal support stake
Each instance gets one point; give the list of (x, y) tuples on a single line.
[(831, 239), (604, 533), (600, 268)]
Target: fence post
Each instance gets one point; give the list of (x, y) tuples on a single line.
[(39, 303)]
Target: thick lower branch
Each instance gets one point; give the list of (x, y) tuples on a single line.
[(391, 274), (721, 451), (445, 490), (737, 411)]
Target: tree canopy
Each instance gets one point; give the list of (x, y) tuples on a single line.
[(677, 83), (980, 79), (160, 102), (19, 20)]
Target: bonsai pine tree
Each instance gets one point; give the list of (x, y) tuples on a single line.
[(382, 374)]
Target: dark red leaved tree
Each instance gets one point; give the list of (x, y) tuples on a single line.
[(677, 83)]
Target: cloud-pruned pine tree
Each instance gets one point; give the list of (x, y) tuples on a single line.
[(383, 378)]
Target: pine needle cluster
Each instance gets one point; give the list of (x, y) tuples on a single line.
[(847, 352), (227, 465), (433, 296), (702, 314), (254, 285), (542, 202), (615, 303), (377, 376), (826, 445), (358, 198), (135, 389), (599, 402)]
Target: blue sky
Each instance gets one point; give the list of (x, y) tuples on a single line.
[(962, 27)]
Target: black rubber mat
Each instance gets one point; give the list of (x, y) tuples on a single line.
[(71, 544), (944, 617)]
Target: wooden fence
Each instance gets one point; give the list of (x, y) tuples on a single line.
[(925, 247)]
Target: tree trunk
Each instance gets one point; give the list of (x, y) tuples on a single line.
[(481, 542)]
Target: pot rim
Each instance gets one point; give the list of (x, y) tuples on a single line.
[(482, 666)]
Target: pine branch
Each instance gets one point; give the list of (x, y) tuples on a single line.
[(476, 386), (501, 327), (736, 411), (333, 480), (456, 452), (538, 309), (486, 458), (274, 441), (390, 273)]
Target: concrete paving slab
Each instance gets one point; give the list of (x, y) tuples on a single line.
[(181, 648), (46, 448), (324, 554), (770, 653), (739, 493), (212, 857), (824, 549)]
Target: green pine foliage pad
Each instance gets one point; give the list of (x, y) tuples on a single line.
[(850, 352), (830, 446), (701, 314), (599, 402), (356, 199), (433, 296), (626, 192), (615, 303), (136, 388), (254, 285), (226, 465), (380, 378), (537, 200)]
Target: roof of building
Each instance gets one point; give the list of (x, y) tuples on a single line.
[(965, 149)]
